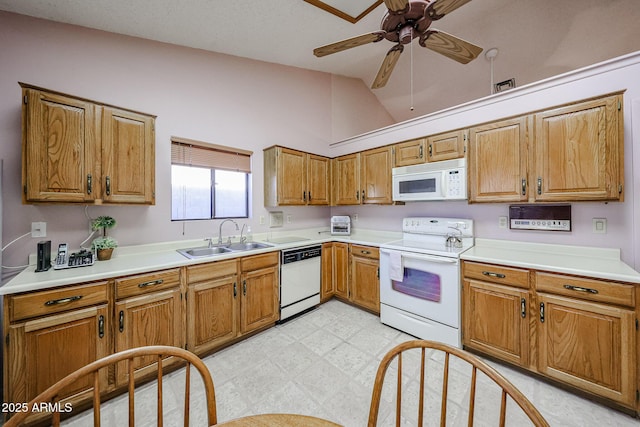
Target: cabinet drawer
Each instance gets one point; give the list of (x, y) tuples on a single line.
[(588, 289), (257, 262), (52, 301), (212, 270), (149, 282), (497, 274), (365, 251)]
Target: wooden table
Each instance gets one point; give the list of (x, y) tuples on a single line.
[(279, 420)]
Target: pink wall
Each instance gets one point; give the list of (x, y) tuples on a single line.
[(195, 94)]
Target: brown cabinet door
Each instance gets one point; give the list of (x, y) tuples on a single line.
[(577, 151), (59, 148), (327, 286), (318, 180), (365, 283), (346, 180), (497, 163), (341, 269), (409, 153), (375, 176), (496, 320), (259, 303), (47, 349), (212, 313), (446, 146), (151, 319), (292, 177), (128, 157), (589, 345)]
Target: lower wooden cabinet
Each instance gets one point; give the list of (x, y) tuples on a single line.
[(575, 330), (212, 305), (327, 286), (364, 284), (150, 314), (259, 302)]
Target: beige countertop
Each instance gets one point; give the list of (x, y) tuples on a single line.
[(603, 263), (129, 260)]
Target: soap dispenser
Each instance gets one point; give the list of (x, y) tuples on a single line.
[(249, 234)]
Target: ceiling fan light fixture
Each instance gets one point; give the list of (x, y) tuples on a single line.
[(491, 53)]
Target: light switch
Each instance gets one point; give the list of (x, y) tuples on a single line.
[(599, 225)]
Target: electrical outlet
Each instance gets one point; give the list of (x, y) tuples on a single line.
[(38, 229), (502, 221), (289, 219), (261, 219), (599, 225)]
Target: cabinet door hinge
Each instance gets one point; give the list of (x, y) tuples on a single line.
[(6, 340), (636, 324), (637, 395), (619, 105), (26, 99), (619, 188), (24, 189)]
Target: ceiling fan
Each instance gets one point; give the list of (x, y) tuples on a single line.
[(406, 20)]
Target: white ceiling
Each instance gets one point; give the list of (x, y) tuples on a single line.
[(536, 39)]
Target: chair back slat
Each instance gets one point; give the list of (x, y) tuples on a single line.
[(508, 389), (187, 388), (127, 357)]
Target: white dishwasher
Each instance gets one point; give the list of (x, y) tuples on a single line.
[(299, 280)]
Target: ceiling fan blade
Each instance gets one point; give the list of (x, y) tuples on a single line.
[(376, 36), (387, 66), (440, 8), (450, 46), (396, 5)]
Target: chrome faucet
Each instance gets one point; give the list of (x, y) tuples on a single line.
[(242, 237), (220, 229)]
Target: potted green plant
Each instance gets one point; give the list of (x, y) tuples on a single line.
[(103, 245)]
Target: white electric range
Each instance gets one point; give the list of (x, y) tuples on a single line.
[(420, 290)]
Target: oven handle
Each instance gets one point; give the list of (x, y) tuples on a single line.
[(431, 258)]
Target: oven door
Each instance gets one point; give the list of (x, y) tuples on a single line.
[(430, 286)]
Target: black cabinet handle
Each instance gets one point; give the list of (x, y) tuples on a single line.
[(89, 184), (62, 300), (420, 151), (108, 185), (492, 274), (541, 312), (150, 283), (523, 308), (524, 186), (581, 289), (101, 326), (539, 185), (121, 320), (244, 287), (235, 289)]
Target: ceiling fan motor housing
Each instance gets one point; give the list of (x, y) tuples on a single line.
[(404, 26)]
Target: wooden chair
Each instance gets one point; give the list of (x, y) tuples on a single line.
[(50, 395), (507, 389)]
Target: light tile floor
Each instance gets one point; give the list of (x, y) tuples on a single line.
[(323, 363)]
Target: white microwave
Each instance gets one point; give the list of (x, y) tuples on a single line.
[(444, 180)]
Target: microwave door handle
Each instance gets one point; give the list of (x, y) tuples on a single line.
[(443, 187)]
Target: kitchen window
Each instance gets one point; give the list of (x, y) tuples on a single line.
[(208, 181)]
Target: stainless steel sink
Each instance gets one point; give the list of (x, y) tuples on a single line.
[(247, 246), (204, 251)]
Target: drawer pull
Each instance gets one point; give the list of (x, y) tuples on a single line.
[(150, 283), (492, 274), (523, 308), (363, 252), (62, 300), (581, 289)]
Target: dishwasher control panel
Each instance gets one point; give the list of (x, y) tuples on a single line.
[(300, 254)]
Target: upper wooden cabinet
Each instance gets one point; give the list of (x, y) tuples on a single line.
[(77, 151), (569, 153), (363, 178), (293, 177), (409, 153), (497, 163), (578, 151), (446, 146)]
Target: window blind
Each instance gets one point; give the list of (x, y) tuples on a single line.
[(196, 153)]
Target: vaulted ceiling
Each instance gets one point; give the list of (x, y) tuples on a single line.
[(535, 39)]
